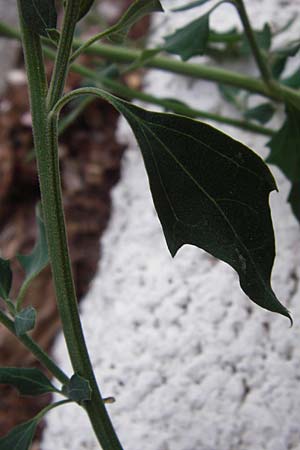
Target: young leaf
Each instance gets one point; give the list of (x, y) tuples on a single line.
[(294, 199), (5, 278), (25, 320), (39, 15), (190, 40), (20, 437), (210, 191), (190, 5), (78, 389), (85, 6), (137, 10), (284, 146), (28, 381), (262, 113), (38, 259)]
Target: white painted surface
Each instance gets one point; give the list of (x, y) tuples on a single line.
[(192, 363)]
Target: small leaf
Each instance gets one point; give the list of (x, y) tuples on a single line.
[(294, 199), (25, 320), (35, 262), (85, 6), (5, 278), (39, 15), (137, 10), (20, 437), (210, 191), (190, 5), (280, 57), (30, 382), (78, 389), (284, 146), (54, 35), (262, 113), (231, 94), (293, 80), (263, 38), (190, 40)]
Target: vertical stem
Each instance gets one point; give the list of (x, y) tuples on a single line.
[(45, 139), (259, 58)]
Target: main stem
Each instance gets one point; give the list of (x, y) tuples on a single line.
[(45, 139)]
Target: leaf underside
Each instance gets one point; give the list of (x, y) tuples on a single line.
[(210, 191)]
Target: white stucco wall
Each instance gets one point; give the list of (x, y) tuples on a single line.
[(192, 363)]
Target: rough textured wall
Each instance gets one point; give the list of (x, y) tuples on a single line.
[(192, 363)]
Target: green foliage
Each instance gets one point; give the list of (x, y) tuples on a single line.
[(78, 389), (294, 199), (210, 191), (285, 146), (85, 6), (38, 259), (190, 40), (137, 10), (261, 113), (263, 39), (5, 278), (29, 382), (25, 320), (39, 15), (20, 437)]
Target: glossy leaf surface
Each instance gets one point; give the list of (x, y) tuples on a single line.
[(190, 40), (284, 146), (78, 389), (134, 13), (209, 191), (25, 320), (39, 15), (30, 382), (5, 278), (20, 437)]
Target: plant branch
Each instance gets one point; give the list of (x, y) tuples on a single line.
[(35, 349), (83, 47), (45, 139), (257, 53)]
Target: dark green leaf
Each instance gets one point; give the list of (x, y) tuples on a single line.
[(78, 389), (294, 199), (285, 145), (54, 35), (190, 40), (38, 258), (280, 57), (25, 320), (134, 13), (5, 278), (85, 6), (226, 37), (190, 5), (293, 80), (210, 191), (20, 437), (28, 381), (263, 38), (39, 15), (262, 113)]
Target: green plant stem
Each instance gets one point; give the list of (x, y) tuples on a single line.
[(133, 94), (45, 139), (83, 47), (61, 64), (35, 349), (124, 55), (256, 51)]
